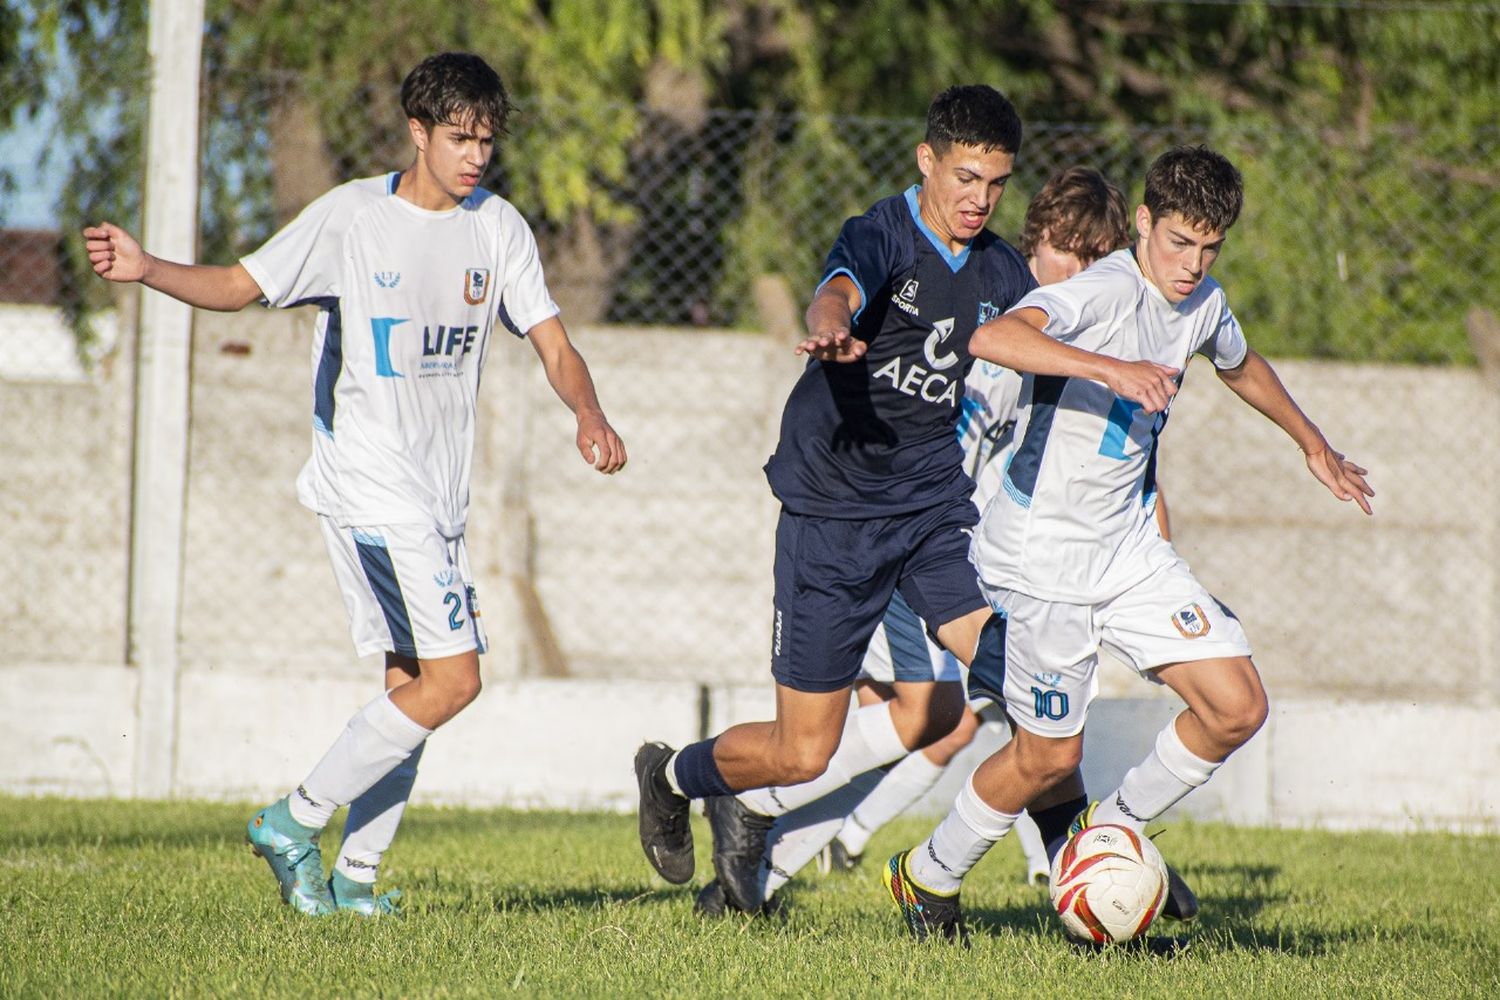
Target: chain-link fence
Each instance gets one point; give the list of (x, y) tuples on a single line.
[(1355, 247)]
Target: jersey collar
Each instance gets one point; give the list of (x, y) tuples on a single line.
[(955, 261)]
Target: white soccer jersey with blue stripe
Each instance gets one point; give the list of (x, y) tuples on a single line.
[(407, 301), (986, 425), (1073, 522)]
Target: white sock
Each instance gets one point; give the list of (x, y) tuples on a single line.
[(1031, 846), (941, 861), (870, 740), (901, 786), (377, 738), (853, 836), (672, 773), (1151, 787), (373, 819), (798, 836)]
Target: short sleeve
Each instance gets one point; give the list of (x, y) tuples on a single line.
[(524, 300), (303, 262), (1226, 346), (1075, 305), (868, 253)]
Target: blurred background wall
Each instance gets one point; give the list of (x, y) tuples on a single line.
[(686, 166)]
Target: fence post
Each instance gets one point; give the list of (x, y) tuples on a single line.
[(163, 346), (1483, 327)]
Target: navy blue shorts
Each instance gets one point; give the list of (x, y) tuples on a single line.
[(834, 579)]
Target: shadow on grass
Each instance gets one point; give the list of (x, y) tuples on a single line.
[(470, 898), (1228, 920)]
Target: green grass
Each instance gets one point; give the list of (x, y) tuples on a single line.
[(151, 899)]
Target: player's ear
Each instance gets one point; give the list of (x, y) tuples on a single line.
[(1143, 221), (419, 134), (925, 159)]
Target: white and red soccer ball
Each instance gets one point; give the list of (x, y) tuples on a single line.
[(1108, 884)]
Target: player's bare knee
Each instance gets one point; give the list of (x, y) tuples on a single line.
[(963, 733), (460, 692), (802, 763), (945, 749), (1244, 720), (1045, 762)]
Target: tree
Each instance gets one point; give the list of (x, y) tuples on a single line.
[(1350, 121)]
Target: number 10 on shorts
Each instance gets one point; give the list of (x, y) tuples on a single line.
[(1049, 704)]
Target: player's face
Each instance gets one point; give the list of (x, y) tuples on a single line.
[(454, 156), (1050, 265), (960, 189), (1174, 254)]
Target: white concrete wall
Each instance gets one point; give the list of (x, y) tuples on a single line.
[(1377, 637), (569, 743)]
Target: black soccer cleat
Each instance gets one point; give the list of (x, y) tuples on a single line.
[(739, 846), (666, 834), (1181, 903), (926, 913), (710, 902), (839, 858)]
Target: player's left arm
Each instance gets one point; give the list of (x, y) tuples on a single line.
[(569, 376), (1254, 381)]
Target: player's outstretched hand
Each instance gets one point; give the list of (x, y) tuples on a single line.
[(114, 253), (1145, 382), (1343, 478), (598, 443), (833, 345)]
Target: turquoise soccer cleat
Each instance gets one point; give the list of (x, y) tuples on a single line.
[(359, 898), (291, 850)]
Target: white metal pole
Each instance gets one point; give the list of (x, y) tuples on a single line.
[(163, 354)]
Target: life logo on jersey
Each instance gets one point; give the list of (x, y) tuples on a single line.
[(1192, 622), (987, 312), (387, 279), (476, 285)]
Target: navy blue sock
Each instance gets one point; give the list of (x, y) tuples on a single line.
[(1053, 823), (697, 774)]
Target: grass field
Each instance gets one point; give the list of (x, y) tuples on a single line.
[(144, 899)]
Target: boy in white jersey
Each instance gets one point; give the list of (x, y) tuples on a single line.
[(1075, 219), (410, 272), (1067, 553)]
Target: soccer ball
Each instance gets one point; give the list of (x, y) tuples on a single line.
[(1108, 884)]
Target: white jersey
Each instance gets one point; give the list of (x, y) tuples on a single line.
[(408, 299), (986, 425), (1074, 520)]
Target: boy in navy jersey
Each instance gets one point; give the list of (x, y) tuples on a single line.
[(874, 500)]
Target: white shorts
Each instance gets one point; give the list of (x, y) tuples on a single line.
[(1052, 649), (901, 650), (407, 589)]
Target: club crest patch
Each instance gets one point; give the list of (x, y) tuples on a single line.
[(476, 285), (1192, 622), (987, 312)]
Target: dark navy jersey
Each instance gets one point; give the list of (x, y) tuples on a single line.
[(876, 437)]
